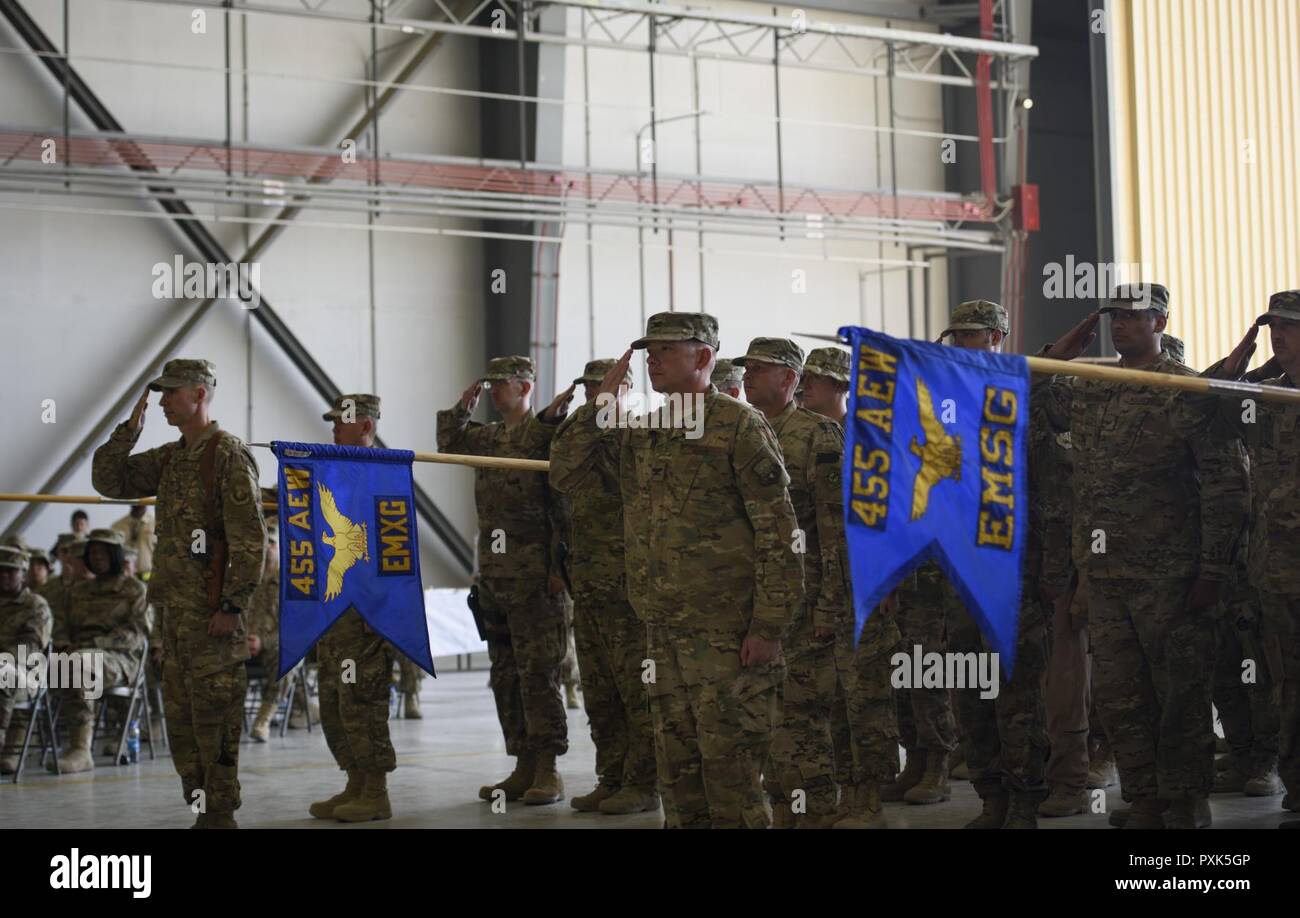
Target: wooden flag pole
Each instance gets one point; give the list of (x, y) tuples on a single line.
[(91, 499), (481, 462), (1202, 384)]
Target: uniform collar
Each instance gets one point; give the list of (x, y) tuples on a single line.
[(202, 440), (787, 412)]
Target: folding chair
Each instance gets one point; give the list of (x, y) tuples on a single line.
[(137, 697), (38, 709), (297, 680)]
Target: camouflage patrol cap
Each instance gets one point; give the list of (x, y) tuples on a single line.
[(502, 368), (1134, 297), (595, 371), (39, 554), (16, 541), (828, 361), (679, 326), (1175, 348), (273, 528), (974, 315), (362, 404), (69, 540), (177, 373), (726, 373), (781, 351), (107, 536), (13, 557), (1285, 304), (129, 553)]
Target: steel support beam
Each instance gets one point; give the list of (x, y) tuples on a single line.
[(212, 251)]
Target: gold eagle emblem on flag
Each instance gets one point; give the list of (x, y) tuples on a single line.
[(348, 541), (940, 455)]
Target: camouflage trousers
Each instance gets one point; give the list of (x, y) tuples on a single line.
[(78, 710), (713, 721), (410, 676), (1151, 659), (354, 704), (1069, 693), (925, 715), (802, 762), (611, 647), (204, 683), (570, 674), (526, 634), (1005, 738), (1282, 630), (1249, 715), (862, 679)]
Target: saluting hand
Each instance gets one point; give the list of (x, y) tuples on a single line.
[(616, 375), (1076, 340), (137, 414), (1236, 362), (560, 406), (469, 398)]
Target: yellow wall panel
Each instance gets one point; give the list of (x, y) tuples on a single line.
[(1205, 141)]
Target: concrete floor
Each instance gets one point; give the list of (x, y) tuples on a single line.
[(442, 761)]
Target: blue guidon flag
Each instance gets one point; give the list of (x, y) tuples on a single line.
[(936, 469), (348, 540)]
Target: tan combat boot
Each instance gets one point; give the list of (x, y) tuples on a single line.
[(1230, 781), (630, 799), (908, 779), (867, 811), (933, 786), (262, 725), (78, 756), (993, 815), (1191, 813), (590, 803), (411, 706), (372, 803), (958, 770), (548, 786), (1064, 801), (324, 809), (571, 698), (519, 780), (1146, 813), (1267, 784)]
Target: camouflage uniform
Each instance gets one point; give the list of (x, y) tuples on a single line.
[(204, 680), (1274, 443), (106, 618), (728, 376), (525, 625), (803, 752), (1170, 508), (56, 589), (263, 620), (611, 640), (354, 714), (24, 621), (864, 724), (1004, 738), (708, 525)]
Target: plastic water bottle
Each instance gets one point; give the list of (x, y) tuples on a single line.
[(133, 742)]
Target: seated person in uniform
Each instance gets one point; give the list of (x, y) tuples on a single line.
[(104, 627)]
